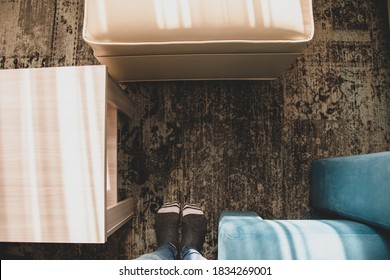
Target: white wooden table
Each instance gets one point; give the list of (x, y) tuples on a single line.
[(58, 147)]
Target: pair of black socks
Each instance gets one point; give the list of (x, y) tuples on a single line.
[(193, 224)]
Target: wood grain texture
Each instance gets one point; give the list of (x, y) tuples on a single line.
[(52, 162), (112, 155), (118, 214)]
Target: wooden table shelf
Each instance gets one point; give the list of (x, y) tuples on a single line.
[(58, 155)]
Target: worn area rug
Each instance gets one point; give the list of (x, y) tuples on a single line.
[(224, 145)]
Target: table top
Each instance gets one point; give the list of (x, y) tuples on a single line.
[(52, 154)]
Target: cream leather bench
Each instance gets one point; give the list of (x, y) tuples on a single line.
[(197, 39)]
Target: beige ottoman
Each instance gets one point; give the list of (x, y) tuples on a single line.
[(197, 39)]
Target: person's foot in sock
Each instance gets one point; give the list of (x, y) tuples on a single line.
[(194, 227), (167, 224)]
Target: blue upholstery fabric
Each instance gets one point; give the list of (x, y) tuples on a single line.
[(245, 236), (356, 187)]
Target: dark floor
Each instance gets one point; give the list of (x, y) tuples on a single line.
[(226, 145)]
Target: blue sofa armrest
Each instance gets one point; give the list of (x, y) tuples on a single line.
[(356, 187), (245, 236)]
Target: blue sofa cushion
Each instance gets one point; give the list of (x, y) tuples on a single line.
[(245, 236), (356, 187)]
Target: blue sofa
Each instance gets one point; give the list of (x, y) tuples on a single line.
[(355, 188)]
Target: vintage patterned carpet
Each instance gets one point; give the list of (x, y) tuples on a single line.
[(226, 145)]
